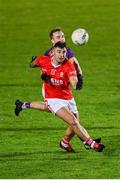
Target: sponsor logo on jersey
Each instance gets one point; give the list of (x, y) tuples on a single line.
[(56, 81)]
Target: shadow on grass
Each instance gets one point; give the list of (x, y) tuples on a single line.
[(33, 129), (112, 145), (6, 114), (102, 127), (15, 154), (19, 85), (41, 153), (50, 128), (110, 151)]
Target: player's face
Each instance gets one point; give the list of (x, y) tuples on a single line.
[(58, 36), (59, 55)]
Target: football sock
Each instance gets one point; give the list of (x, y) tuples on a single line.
[(92, 143), (64, 142), (26, 105), (89, 140)]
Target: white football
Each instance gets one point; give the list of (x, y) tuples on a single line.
[(80, 36)]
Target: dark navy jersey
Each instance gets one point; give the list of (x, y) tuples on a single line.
[(69, 53)]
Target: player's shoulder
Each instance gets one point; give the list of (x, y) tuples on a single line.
[(70, 53), (48, 52), (43, 59), (69, 49), (67, 63), (68, 66)]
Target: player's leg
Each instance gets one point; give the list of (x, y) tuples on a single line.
[(68, 117), (65, 141), (87, 146), (39, 105), (69, 134)]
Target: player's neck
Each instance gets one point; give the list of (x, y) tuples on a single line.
[(55, 63)]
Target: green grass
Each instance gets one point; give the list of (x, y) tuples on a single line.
[(29, 144)]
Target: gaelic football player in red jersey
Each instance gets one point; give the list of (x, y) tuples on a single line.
[(57, 35), (58, 74)]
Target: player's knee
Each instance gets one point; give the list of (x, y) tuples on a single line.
[(45, 107), (73, 122)]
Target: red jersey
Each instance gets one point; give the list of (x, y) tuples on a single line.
[(60, 86)]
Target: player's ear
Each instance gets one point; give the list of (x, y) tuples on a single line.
[(52, 51), (52, 41)]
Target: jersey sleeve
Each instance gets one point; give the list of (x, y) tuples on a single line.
[(40, 60), (47, 52)]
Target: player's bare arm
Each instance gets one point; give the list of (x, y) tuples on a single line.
[(34, 63), (73, 81), (76, 64), (78, 69)]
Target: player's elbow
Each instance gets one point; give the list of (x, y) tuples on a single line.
[(33, 65), (73, 81), (74, 85)]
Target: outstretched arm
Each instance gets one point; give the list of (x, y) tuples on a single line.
[(73, 81), (76, 64), (33, 62), (79, 72)]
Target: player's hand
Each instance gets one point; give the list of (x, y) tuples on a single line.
[(33, 58), (80, 82), (46, 78)]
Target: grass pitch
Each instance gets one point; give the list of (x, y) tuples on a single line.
[(29, 144)]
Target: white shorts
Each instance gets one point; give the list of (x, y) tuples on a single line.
[(54, 104)]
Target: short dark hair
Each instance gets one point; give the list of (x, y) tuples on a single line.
[(53, 31), (60, 45)]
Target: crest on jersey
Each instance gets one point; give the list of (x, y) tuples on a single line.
[(61, 74), (53, 71)]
